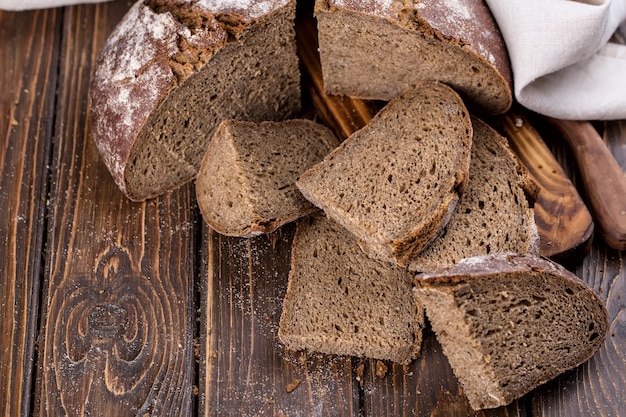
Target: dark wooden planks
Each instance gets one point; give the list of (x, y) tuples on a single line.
[(244, 368), (29, 53), (597, 387), (118, 308)]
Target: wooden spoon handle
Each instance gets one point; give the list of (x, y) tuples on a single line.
[(603, 178)]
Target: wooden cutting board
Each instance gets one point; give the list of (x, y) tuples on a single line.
[(564, 223)]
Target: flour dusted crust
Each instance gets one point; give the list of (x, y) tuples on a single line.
[(465, 24), (154, 49)]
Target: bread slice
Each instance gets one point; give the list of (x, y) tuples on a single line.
[(172, 70), (247, 181), (395, 183), (341, 302), (495, 213), (376, 49), (508, 324)]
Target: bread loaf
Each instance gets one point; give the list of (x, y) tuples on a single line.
[(172, 70), (376, 49), (341, 302), (508, 324), (247, 181), (395, 183), (495, 213)]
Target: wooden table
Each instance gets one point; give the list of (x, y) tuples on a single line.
[(111, 308)]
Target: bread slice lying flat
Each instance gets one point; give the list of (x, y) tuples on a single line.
[(495, 213), (395, 183), (172, 70), (508, 324), (340, 302), (376, 49), (246, 184)]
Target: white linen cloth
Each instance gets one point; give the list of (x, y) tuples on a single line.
[(563, 65)]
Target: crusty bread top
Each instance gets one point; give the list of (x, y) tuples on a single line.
[(157, 45), (466, 22)]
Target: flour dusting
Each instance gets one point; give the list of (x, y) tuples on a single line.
[(251, 8)]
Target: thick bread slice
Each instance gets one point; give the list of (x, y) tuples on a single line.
[(247, 181), (508, 324), (172, 70), (395, 183), (341, 302), (495, 213), (378, 48)]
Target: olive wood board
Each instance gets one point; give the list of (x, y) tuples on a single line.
[(563, 221)]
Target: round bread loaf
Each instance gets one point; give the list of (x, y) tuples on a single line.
[(375, 49), (172, 70)]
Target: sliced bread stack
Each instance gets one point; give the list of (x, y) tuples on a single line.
[(495, 213), (171, 71), (395, 183)]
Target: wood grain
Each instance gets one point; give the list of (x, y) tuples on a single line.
[(245, 369), (426, 387), (118, 313), (603, 178), (29, 53)]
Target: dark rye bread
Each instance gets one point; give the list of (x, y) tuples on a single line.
[(246, 184), (172, 70), (341, 302), (508, 324), (495, 213), (395, 183), (376, 49)]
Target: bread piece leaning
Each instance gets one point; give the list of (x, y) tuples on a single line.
[(172, 70), (246, 184), (376, 49), (341, 302), (396, 182), (508, 324), (495, 214)]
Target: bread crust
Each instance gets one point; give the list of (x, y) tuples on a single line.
[(468, 25), (156, 46)]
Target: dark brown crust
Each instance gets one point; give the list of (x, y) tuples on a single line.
[(156, 46)]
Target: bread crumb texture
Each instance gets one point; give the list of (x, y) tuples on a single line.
[(508, 324), (340, 302), (495, 213), (395, 182), (389, 45), (246, 184), (171, 71)]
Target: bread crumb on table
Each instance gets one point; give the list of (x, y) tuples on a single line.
[(293, 385)]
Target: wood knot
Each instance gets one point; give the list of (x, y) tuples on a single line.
[(108, 321)]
